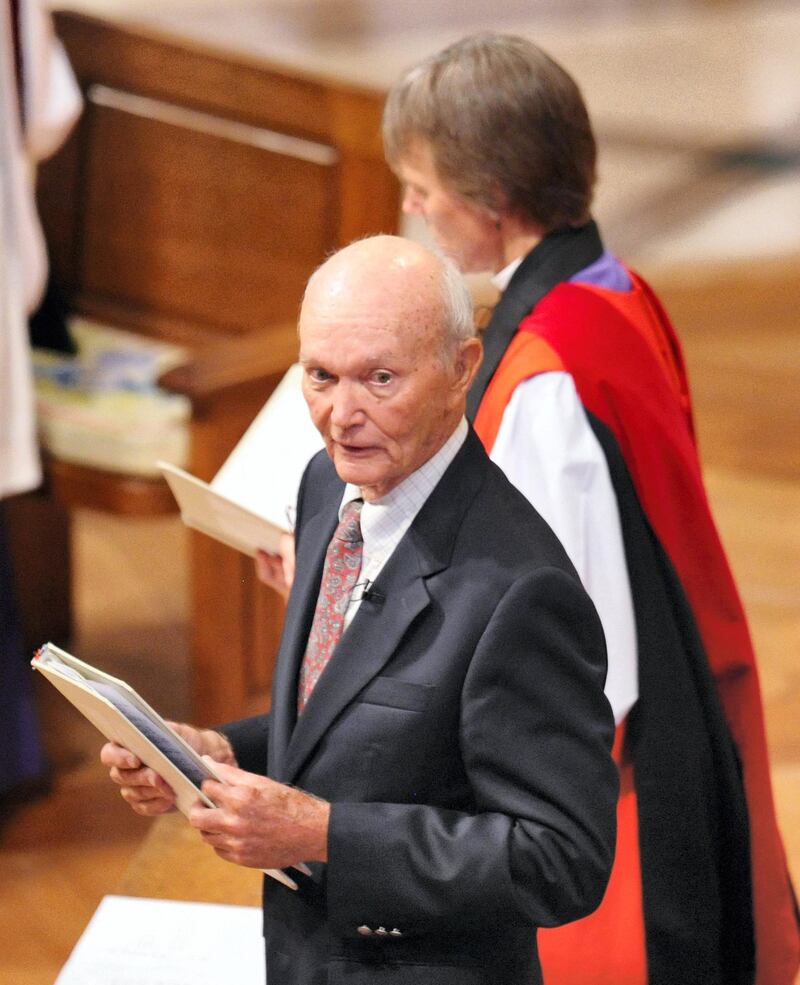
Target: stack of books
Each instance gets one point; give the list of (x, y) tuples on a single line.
[(103, 407)]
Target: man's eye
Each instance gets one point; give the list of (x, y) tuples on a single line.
[(382, 377), (319, 375)]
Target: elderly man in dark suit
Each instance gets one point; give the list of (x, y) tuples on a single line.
[(434, 777)]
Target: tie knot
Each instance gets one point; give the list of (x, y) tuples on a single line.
[(349, 528)]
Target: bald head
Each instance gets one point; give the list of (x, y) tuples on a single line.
[(406, 281), (392, 257), (388, 351)]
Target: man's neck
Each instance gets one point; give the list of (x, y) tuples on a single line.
[(518, 240)]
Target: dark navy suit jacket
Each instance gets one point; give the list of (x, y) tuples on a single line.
[(462, 736)]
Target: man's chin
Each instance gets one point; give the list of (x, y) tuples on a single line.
[(358, 473)]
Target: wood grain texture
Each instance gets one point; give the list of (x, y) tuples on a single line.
[(197, 194)]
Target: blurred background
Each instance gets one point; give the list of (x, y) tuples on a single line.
[(696, 106)]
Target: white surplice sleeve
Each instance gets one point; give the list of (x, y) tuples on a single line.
[(547, 448)]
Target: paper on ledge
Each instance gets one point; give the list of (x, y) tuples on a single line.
[(132, 941)]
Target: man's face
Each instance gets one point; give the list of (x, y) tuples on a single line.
[(462, 230), (373, 376)]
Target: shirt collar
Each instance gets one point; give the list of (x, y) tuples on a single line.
[(502, 278), (406, 499)]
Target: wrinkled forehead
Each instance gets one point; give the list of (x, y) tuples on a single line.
[(397, 293), (352, 330)]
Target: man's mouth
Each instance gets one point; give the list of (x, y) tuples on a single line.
[(358, 450)]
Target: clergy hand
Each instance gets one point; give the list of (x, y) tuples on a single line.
[(260, 823), (277, 570)]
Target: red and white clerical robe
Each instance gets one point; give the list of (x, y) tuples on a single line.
[(588, 412)]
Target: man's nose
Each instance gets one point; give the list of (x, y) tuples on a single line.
[(345, 406)]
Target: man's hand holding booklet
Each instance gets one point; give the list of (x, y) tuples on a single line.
[(124, 717)]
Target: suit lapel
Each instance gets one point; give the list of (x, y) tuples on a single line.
[(366, 646), (376, 632)]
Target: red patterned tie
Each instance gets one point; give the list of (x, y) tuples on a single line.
[(339, 575)]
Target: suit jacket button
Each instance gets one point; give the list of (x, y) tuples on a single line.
[(382, 932), (364, 930), (394, 932)]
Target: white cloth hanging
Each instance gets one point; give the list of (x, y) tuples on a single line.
[(52, 102)]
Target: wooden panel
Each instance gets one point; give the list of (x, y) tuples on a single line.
[(747, 421), (173, 862), (235, 622), (41, 556), (376, 212), (284, 96), (268, 610), (196, 195), (208, 226), (220, 589), (113, 492), (194, 220), (235, 629)]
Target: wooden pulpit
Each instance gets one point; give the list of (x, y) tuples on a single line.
[(198, 192)]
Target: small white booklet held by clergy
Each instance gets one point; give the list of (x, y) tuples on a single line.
[(248, 503), (204, 509), (124, 717)]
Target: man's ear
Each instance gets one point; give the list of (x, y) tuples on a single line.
[(469, 358)]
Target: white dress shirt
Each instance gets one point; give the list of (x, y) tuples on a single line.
[(548, 450), (384, 521)]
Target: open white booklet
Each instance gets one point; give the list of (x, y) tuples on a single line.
[(250, 501), (124, 717), (204, 509)]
